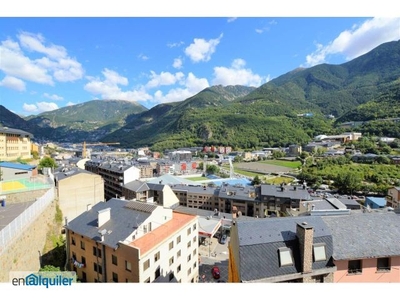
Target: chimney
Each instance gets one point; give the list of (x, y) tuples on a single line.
[(103, 216), (89, 207), (305, 234)]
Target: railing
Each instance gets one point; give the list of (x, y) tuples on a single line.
[(13, 230)]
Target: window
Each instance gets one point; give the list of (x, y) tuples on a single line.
[(189, 257), (83, 277), (179, 253), (194, 239), (82, 245), (383, 264), (147, 280), (83, 260), (319, 252), (354, 267), (157, 273), (97, 268), (189, 271), (73, 255), (115, 277), (114, 260), (171, 260), (157, 256), (178, 269), (171, 276), (94, 251), (128, 266), (171, 245), (189, 244), (285, 257), (73, 241), (194, 252), (178, 239), (194, 265), (189, 231), (99, 253), (194, 227), (146, 265)]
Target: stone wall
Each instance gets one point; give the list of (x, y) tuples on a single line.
[(25, 196), (24, 253)]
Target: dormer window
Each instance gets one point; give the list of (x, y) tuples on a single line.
[(319, 252), (285, 257)]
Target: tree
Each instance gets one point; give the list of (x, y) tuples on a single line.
[(347, 182), (47, 162), (256, 180), (49, 268), (212, 169), (35, 154)]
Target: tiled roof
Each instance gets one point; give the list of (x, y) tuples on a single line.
[(152, 239), (288, 192), (141, 206), (365, 235), (15, 131)]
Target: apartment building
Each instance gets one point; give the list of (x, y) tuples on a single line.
[(203, 197), (131, 241), (14, 144), (295, 249), (115, 174), (393, 197)]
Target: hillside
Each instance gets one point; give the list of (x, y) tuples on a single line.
[(11, 120), (88, 121), (268, 116)]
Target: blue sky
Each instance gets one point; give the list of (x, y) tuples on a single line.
[(49, 63)]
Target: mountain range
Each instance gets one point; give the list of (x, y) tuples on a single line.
[(289, 109)]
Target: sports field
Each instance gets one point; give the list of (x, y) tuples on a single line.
[(25, 184)]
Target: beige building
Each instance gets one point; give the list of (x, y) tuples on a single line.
[(393, 197), (14, 144), (77, 190), (131, 241)]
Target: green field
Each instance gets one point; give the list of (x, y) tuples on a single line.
[(197, 178), (278, 180), (283, 163)]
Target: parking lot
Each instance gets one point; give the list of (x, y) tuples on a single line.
[(213, 254)]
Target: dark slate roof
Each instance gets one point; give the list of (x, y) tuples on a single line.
[(123, 221), (288, 192), (320, 204), (136, 186), (349, 202), (18, 166), (208, 213), (260, 240), (364, 235), (15, 131), (71, 172), (244, 193), (204, 190), (155, 186)]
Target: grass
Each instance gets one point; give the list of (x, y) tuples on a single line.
[(283, 163), (279, 180), (197, 178)]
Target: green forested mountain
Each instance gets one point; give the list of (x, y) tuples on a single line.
[(271, 114), (88, 121), (11, 120)]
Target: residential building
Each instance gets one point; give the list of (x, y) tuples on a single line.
[(165, 167), (366, 247), (203, 197), (181, 155), (115, 174), (14, 144), (131, 241), (160, 194), (393, 197), (295, 249), (15, 171), (77, 190), (294, 150)]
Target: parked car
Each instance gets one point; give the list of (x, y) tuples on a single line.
[(215, 272), (223, 239)]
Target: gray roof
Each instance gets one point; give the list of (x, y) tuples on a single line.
[(123, 221), (204, 190), (364, 235), (245, 193), (336, 203), (71, 172), (349, 202), (288, 192), (260, 240), (15, 131), (320, 204), (136, 186), (171, 180), (207, 213)]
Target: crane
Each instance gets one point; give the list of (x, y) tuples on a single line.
[(84, 155)]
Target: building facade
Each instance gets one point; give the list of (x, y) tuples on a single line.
[(14, 144), (130, 241)]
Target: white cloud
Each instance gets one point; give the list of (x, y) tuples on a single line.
[(143, 57), (14, 63), (231, 20), (53, 97), (164, 78), (177, 63), (237, 74), (201, 50), (54, 65), (39, 107), (13, 83), (173, 45), (109, 88), (70, 103), (192, 85), (358, 40)]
